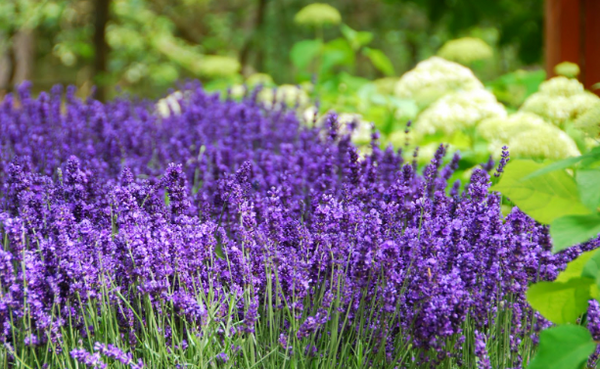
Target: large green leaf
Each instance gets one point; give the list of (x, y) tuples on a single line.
[(545, 197), (303, 52), (563, 347), (573, 229), (588, 184), (380, 61), (561, 302), (592, 156), (591, 270), (575, 267)]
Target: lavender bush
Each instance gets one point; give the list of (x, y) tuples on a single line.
[(233, 235)]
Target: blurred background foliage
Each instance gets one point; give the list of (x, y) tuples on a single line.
[(154, 43), (466, 73)]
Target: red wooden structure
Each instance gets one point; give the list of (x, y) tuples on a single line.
[(573, 34)]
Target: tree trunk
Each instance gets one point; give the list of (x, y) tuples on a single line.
[(251, 41), (24, 55), (100, 47), (6, 64)]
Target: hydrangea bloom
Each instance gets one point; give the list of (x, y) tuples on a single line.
[(257, 79), (290, 95), (214, 66), (589, 122), (360, 130), (433, 78), (547, 142), (567, 69), (560, 99), (466, 50), (528, 136), (317, 14), (458, 111), (169, 104)]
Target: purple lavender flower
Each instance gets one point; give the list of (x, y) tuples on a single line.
[(503, 160), (100, 202), (222, 358), (481, 351)]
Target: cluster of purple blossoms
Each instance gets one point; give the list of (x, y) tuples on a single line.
[(105, 202)]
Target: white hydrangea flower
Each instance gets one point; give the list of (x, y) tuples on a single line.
[(433, 78), (216, 66), (584, 102), (527, 135), (547, 142), (567, 69), (361, 135), (169, 104), (259, 79), (561, 86), (237, 91), (308, 114), (459, 110), (502, 129), (589, 122), (289, 94), (466, 50), (318, 14), (560, 99)]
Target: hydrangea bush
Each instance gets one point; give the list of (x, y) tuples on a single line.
[(233, 235)]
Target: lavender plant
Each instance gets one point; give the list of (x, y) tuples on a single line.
[(568, 202), (231, 235)]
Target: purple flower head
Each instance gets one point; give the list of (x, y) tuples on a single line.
[(503, 161)]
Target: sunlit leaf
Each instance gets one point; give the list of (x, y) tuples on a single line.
[(561, 302), (545, 197), (573, 229), (356, 38), (588, 184), (575, 267), (563, 347), (303, 52), (380, 61)]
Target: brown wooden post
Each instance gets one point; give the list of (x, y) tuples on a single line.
[(591, 74), (572, 33)]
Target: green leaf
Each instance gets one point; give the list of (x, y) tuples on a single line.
[(380, 61), (563, 347), (544, 198), (167, 198), (219, 249), (576, 267), (356, 38), (573, 229), (588, 184), (591, 270), (303, 52), (593, 155), (561, 302), (336, 53)]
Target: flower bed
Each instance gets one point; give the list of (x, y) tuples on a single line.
[(232, 235)]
